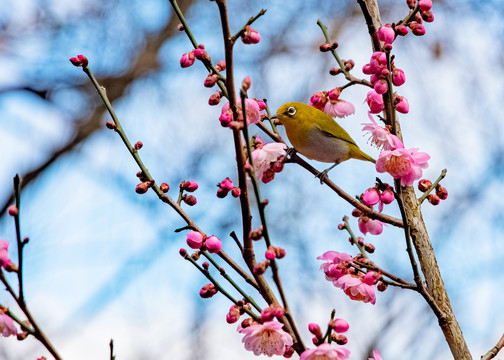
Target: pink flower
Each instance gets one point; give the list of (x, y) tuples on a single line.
[(268, 338), (213, 244), (4, 254), (376, 356), (425, 5), (406, 164), (380, 86), (336, 265), (371, 196), (263, 156), (7, 327), (386, 34), (356, 288), (375, 102), (387, 196), (253, 115), (189, 186), (250, 36), (381, 137), (368, 225), (339, 108), (226, 184), (401, 30), (187, 59), (378, 62), (194, 240), (325, 352)]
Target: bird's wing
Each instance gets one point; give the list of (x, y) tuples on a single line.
[(332, 128), (344, 135)]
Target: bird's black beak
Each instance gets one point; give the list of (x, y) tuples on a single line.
[(274, 117)]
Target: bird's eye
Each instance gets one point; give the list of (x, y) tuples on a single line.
[(291, 111)]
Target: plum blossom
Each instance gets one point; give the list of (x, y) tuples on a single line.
[(357, 288), (253, 112), (325, 352), (368, 225), (386, 34), (213, 244), (381, 137), (264, 155), (268, 338), (194, 239), (406, 164), (7, 327), (375, 102), (336, 265), (339, 108), (250, 36)]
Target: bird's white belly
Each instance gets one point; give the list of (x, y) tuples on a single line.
[(321, 147)]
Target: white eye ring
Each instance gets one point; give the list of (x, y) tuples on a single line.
[(291, 111)]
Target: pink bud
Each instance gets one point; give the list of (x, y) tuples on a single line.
[(201, 54), (164, 187), (398, 77), (80, 60), (335, 71), (417, 28), (250, 36), (387, 196), (425, 5), (236, 192), (371, 277), (214, 99), (278, 165), (427, 16), (289, 351), (189, 186), (325, 47), (349, 64), (187, 59), (138, 145), (279, 252), (340, 325), (261, 104), (246, 82), (226, 118), (189, 200), (208, 291), (402, 104), (233, 315), (441, 192), (194, 240), (226, 184), (183, 252), (371, 196), (210, 80), (424, 185), (221, 65), (375, 102), (340, 339), (260, 268), (142, 187), (222, 193), (378, 62), (110, 125), (213, 244), (315, 330), (401, 30), (270, 253), (433, 199), (13, 210), (369, 248), (319, 99), (268, 175), (381, 86), (386, 34), (334, 93), (180, 27)]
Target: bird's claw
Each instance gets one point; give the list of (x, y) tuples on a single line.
[(322, 176)]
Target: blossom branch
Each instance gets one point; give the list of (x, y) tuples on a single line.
[(495, 350), (250, 22)]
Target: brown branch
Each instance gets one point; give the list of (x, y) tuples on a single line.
[(495, 350)]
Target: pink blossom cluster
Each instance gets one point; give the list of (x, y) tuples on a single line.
[(196, 240), (433, 198), (268, 159), (189, 186), (330, 103), (356, 285), (380, 194), (253, 113), (226, 186), (425, 14), (401, 163), (325, 352)]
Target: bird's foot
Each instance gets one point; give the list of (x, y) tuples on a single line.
[(289, 154), (322, 175)]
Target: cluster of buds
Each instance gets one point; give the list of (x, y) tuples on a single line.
[(379, 194), (236, 310), (225, 186), (189, 186), (196, 240), (325, 47), (274, 252), (330, 103), (79, 60), (424, 14), (189, 58), (145, 183), (271, 312), (268, 159), (208, 291), (253, 109), (441, 192)]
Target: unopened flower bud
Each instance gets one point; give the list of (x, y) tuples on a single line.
[(250, 36), (183, 252), (194, 239), (441, 192), (433, 199), (110, 125), (386, 34), (205, 265), (268, 175), (270, 253), (256, 234), (289, 351), (13, 210), (234, 315), (371, 277), (189, 200), (187, 59), (246, 82), (325, 47), (201, 54), (401, 30), (427, 16), (222, 193), (371, 196), (411, 3), (425, 5), (226, 184), (335, 71), (341, 226), (339, 339), (279, 252), (208, 291), (424, 185), (387, 196), (221, 65), (349, 64), (360, 241), (180, 27), (381, 286), (356, 212), (417, 28), (398, 77), (210, 80), (142, 187), (278, 165), (138, 145), (334, 46), (340, 325), (402, 104), (260, 268), (236, 192), (369, 248), (334, 93), (315, 330), (80, 60), (189, 186), (213, 244), (164, 187), (214, 99)]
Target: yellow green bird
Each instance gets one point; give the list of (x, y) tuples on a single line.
[(317, 136)]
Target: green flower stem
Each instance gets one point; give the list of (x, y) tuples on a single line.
[(208, 64), (353, 237), (410, 16), (352, 80), (20, 242), (433, 186), (162, 196), (228, 278), (250, 22), (220, 288)]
